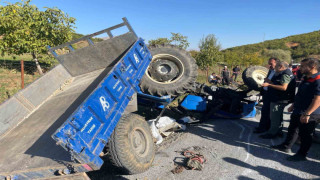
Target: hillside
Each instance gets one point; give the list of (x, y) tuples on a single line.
[(302, 45)]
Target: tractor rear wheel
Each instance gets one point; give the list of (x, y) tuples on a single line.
[(254, 76), (171, 72)]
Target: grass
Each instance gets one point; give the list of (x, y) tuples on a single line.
[(25, 57), (202, 74), (10, 75), (10, 82)]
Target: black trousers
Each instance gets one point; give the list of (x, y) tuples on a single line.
[(226, 81), (265, 122), (235, 75), (295, 129)]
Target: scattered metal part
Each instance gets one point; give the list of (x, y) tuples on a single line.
[(178, 169)]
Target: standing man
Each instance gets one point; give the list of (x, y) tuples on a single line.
[(225, 76), (235, 73), (264, 123), (282, 89), (305, 111)]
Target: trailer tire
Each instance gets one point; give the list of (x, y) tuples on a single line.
[(131, 146), (254, 76), (171, 72)]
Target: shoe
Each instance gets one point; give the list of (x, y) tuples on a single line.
[(296, 158), (268, 136), (259, 130), (281, 147)]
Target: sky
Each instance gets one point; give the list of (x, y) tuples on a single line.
[(233, 22)]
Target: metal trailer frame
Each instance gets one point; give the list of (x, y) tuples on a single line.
[(87, 111)]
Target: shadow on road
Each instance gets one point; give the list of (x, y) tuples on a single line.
[(106, 172), (238, 133), (264, 171)]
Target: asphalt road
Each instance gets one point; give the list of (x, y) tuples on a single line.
[(232, 152)]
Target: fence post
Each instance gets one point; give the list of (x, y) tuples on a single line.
[(22, 74), (207, 72)]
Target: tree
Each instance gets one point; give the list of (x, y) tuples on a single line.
[(251, 59), (194, 53), (159, 41), (209, 52), (180, 40), (283, 55), (26, 29), (176, 39), (232, 58)]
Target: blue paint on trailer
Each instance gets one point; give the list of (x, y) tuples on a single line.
[(86, 131)]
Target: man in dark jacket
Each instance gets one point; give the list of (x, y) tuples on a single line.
[(264, 123), (282, 89), (305, 111), (225, 76), (235, 73)]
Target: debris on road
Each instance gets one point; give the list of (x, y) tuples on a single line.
[(185, 119), (178, 169), (155, 132), (165, 126), (195, 160), (188, 120)]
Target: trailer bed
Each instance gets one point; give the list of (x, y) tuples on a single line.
[(61, 122), (30, 145)]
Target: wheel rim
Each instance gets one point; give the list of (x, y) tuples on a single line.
[(165, 69), (139, 142), (258, 76)]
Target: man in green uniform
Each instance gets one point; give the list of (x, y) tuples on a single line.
[(282, 90)]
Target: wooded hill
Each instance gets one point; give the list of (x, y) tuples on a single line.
[(302, 45)]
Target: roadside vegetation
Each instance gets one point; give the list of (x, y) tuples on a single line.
[(299, 46), (29, 41), (10, 82)]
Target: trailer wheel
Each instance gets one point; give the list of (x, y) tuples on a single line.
[(131, 146), (254, 76), (171, 72)]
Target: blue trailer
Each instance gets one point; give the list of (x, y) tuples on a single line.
[(64, 122)]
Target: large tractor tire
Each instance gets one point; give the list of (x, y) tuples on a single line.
[(131, 146), (254, 76), (171, 72)]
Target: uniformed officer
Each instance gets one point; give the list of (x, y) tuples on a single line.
[(282, 90), (305, 111)]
